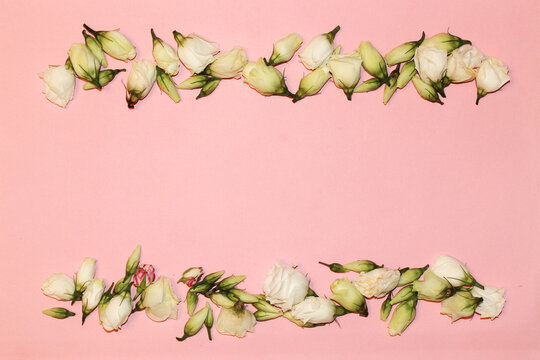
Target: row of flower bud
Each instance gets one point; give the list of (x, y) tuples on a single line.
[(438, 61), (286, 293)]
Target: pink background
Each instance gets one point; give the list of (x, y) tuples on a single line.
[(236, 180)]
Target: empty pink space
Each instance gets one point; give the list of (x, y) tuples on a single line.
[(237, 180)]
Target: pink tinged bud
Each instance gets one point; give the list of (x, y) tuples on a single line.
[(145, 271)]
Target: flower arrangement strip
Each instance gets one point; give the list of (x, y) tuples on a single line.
[(432, 64), (286, 292)]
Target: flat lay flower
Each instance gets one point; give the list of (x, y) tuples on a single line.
[(85, 274), (58, 84), (460, 305), (315, 310), (165, 56), (433, 287), (285, 286), (235, 321), (377, 283), (348, 296), (345, 70), (452, 270), (492, 301), (229, 64), (463, 63), (445, 41), (318, 51), (402, 317), (115, 44), (372, 61), (284, 49), (430, 63), (492, 75), (140, 81), (159, 300), (84, 63), (92, 296), (267, 80), (59, 286), (195, 52), (115, 313)]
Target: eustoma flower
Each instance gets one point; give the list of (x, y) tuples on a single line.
[(114, 43), (348, 296), (460, 305), (59, 286), (160, 301), (315, 310), (164, 55), (84, 63), (141, 79), (492, 75), (144, 276), (284, 49), (318, 51), (285, 286), (229, 64), (59, 84), (267, 80), (236, 321), (430, 63), (191, 276), (345, 70), (86, 273), (452, 270), (463, 64), (492, 301), (195, 52), (433, 287), (373, 62), (91, 296), (312, 83), (377, 283), (114, 313)]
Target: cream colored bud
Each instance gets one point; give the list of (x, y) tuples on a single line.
[(164, 55), (267, 80), (312, 83), (372, 61), (229, 64), (284, 49), (58, 84)]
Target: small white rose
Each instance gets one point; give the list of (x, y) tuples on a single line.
[(141, 79), (345, 70), (195, 52), (377, 283), (317, 52), (160, 301), (460, 305), (284, 49), (115, 313), (84, 63), (86, 273), (314, 310), (235, 321), (453, 270), (492, 75), (433, 287), (59, 286), (493, 301), (59, 84), (92, 295), (285, 286), (229, 64), (267, 80), (463, 63), (430, 63), (165, 56), (116, 45)]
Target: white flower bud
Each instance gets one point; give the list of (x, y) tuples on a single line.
[(460, 305), (141, 79), (372, 61), (164, 55), (85, 64), (430, 63), (285, 286), (492, 75), (229, 64), (235, 321), (377, 283), (159, 300), (463, 63), (492, 303), (115, 44), (317, 52), (59, 84), (115, 313), (345, 70), (453, 270), (59, 286), (284, 49), (86, 273), (433, 288), (315, 310), (312, 83), (348, 296), (195, 52), (267, 80), (92, 295)]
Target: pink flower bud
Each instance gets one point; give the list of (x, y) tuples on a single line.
[(144, 271)]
